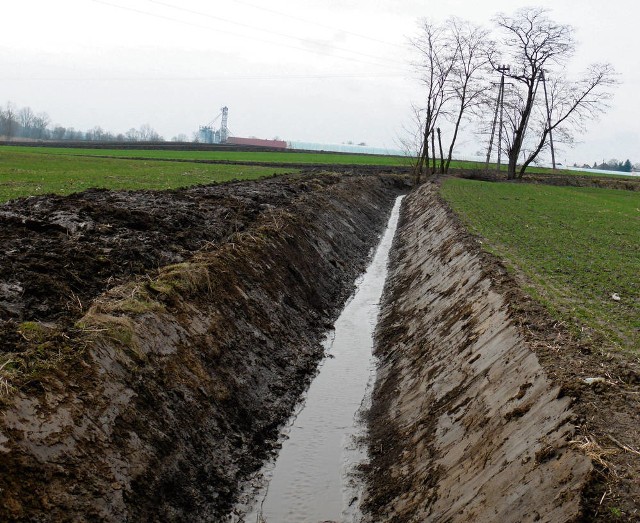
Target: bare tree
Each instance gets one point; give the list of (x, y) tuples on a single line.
[(40, 124), (8, 121), (466, 87), (452, 59), (72, 134), (25, 119), (148, 134), (436, 61), (58, 132), (537, 49), (132, 135), (571, 105), (96, 134)]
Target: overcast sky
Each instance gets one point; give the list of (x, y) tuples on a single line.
[(324, 71)]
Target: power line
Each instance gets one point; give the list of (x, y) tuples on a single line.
[(279, 13), (211, 78), (200, 26), (268, 31)]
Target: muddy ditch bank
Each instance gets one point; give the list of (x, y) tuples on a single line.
[(156, 402), (60, 252), (465, 424), (629, 183)]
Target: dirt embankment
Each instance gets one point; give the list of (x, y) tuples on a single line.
[(563, 179), (465, 424), (170, 389)]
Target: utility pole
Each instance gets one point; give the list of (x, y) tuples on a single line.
[(546, 99), (502, 70), (499, 108)]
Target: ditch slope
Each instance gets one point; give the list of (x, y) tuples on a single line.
[(465, 425), (153, 343)]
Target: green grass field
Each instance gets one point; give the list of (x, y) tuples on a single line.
[(290, 157), (232, 156), (24, 172), (577, 247)]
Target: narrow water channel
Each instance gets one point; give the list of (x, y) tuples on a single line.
[(309, 481)]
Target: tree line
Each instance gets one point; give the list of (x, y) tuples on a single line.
[(509, 81), (614, 165), (24, 123)]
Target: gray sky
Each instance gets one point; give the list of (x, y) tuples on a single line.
[(313, 70)]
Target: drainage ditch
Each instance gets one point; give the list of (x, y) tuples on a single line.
[(312, 479), (169, 392), (171, 389)]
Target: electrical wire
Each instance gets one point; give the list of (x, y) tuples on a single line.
[(300, 19), (268, 31), (211, 78), (200, 26)]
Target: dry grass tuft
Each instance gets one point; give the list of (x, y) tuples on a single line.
[(5, 379), (598, 454), (183, 278), (132, 298), (119, 329)]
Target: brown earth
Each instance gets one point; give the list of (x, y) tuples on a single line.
[(157, 341), (465, 426), (628, 183), (163, 388), (607, 412), (432, 381)]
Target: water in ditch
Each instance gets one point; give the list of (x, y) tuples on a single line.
[(312, 478)]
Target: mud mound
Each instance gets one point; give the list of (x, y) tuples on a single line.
[(627, 183), (61, 252), (465, 425), (174, 384)]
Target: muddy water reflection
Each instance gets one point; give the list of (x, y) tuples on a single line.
[(309, 480)]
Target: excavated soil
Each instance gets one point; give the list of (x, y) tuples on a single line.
[(154, 343), (627, 183), (481, 411), (158, 340)]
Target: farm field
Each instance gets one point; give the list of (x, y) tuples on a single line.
[(27, 172), (36, 170), (229, 156), (579, 248), (288, 157)]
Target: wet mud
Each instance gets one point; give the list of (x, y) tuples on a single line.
[(61, 252), (435, 381), (200, 320), (314, 476), (153, 344), (465, 423)]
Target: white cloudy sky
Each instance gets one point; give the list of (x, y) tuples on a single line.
[(313, 70)]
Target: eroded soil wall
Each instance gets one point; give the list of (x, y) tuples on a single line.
[(186, 374), (465, 425)]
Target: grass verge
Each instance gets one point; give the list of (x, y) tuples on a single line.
[(579, 249)]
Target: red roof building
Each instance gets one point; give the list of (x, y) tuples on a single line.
[(274, 144)]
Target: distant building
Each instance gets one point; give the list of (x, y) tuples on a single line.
[(207, 134), (257, 142)]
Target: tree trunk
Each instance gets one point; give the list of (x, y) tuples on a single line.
[(455, 137), (441, 153), (433, 152), (423, 156), (534, 154), (518, 138)]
